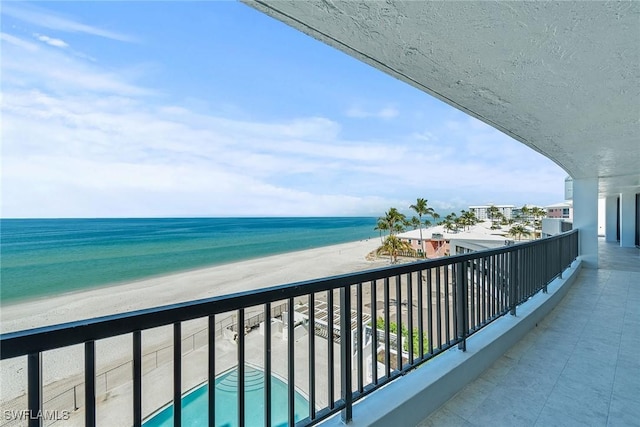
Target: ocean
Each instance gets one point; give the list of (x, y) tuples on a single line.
[(42, 257)]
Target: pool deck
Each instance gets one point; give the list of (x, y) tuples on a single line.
[(114, 407)]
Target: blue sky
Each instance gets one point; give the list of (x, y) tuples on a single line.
[(129, 109)]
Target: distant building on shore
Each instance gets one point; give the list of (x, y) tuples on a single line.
[(437, 242), (482, 211), (560, 210)]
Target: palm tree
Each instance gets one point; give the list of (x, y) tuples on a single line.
[(392, 221), (493, 213), (415, 223), (395, 220), (518, 218), (518, 231), (451, 222), (392, 246), (399, 227), (525, 212), (468, 218), (448, 225), (538, 213), (421, 208), (381, 226)]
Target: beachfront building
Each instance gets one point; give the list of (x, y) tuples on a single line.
[(438, 241), (527, 216), (482, 211), (434, 243), (559, 77), (560, 210)]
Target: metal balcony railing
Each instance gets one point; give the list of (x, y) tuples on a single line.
[(424, 308)]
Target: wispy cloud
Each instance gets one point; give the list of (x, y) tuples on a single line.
[(88, 139), (46, 19), (25, 63), (424, 136), (51, 41), (166, 160), (18, 42), (384, 113)]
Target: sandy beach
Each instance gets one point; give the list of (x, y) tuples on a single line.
[(185, 286), (195, 284)]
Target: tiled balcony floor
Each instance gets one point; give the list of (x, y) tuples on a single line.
[(579, 367)]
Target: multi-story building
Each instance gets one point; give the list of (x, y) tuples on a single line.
[(560, 210), (438, 241), (482, 211)]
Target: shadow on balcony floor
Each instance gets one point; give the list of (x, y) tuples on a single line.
[(580, 366)]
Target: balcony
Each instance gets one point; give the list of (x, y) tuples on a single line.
[(317, 336), (579, 366)]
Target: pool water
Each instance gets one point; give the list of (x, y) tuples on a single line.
[(195, 404)]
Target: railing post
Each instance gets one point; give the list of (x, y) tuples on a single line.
[(462, 324), (177, 375), (345, 353), (137, 378), (34, 384), (241, 363), (89, 384), (312, 359), (513, 279), (211, 372), (290, 364), (546, 266)]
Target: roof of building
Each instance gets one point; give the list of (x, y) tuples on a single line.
[(480, 231), (567, 204), (489, 205)]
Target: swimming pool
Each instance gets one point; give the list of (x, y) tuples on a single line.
[(195, 403)]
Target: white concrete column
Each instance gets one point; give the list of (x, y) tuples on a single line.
[(611, 218), (628, 219), (585, 219)]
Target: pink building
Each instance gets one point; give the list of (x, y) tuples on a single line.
[(433, 242), (560, 210), (437, 242)]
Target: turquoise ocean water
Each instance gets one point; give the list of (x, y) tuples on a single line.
[(40, 257)]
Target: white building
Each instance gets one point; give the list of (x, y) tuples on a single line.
[(481, 211), (554, 226), (437, 241)]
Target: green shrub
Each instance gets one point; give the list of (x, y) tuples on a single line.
[(393, 328)]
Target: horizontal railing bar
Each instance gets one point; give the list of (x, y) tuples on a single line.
[(14, 344)]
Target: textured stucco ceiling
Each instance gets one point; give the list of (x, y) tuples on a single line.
[(560, 77)]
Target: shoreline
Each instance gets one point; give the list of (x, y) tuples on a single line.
[(62, 365), (185, 271), (165, 289)]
